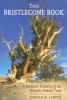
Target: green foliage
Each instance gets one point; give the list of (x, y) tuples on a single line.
[(50, 71)]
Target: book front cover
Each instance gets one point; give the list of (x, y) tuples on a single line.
[(33, 50)]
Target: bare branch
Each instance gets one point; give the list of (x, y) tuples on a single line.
[(15, 47), (47, 50), (53, 36), (55, 51), (53, 57), (20, 40), (12, 54), (21, 44), (45, 55), (7, 43), (21, 28)]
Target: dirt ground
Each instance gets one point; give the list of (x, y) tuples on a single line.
[(34, 90)]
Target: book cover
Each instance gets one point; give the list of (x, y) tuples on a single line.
[(33, 50)]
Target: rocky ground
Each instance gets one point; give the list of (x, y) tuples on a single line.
[(34, 90)]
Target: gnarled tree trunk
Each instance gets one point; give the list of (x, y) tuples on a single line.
[(33, 63)]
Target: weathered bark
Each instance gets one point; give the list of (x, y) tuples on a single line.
[(26, 65), (40, 51), (29, 75), (22, 46)]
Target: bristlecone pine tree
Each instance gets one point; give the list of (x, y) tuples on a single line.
[(26, 61)]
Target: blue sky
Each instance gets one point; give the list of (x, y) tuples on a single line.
[(11, 30)]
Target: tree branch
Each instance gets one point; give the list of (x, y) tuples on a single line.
[(7, 43), (53, 36), (13, 72), (47, 32), (53, 57), (21, 44), (26, 65), (11, 52)]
